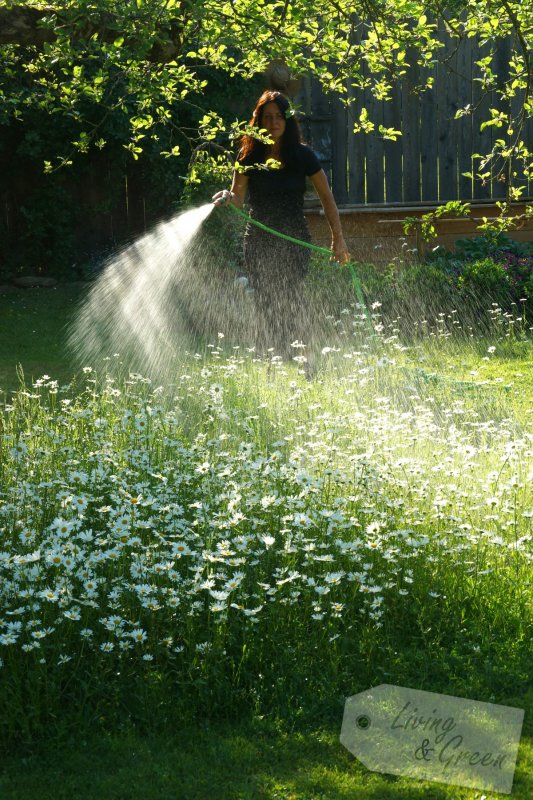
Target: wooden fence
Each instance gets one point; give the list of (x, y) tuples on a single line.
[(99, 207), (426, 163)]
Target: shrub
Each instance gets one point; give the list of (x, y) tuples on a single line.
[(494, 245), (485, 280), (421, 290), (223, 231), (490, 267)]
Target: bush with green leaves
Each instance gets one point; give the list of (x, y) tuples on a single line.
[(492, 266), (71, 215), (223, 231), (485, 280)]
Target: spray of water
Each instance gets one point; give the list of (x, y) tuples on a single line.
[(149, 299), (171, 290), (168, 291)]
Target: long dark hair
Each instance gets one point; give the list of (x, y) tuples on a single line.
[(291, 136)]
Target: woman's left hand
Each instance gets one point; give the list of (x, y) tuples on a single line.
[(340, 250)]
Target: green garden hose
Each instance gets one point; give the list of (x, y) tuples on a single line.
[(355, 280)]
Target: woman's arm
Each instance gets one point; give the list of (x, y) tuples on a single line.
[(236, 194), (338, 245)]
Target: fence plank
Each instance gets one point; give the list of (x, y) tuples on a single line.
[(528, 138), (374, 167), (501, 68), (392, 118), (135, 200), (412, 178), (339, 150), (320, 127), (356, 152), (464, 124), (429, 154), (446, 102), (481, 140), (526, 135), (304, 102)]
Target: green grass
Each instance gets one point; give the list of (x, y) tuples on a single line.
[(500, 376), (239, 761), (33, 325)]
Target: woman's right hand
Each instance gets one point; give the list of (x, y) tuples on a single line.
[(223, 198)]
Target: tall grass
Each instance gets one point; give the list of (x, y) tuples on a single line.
[(247, 540)]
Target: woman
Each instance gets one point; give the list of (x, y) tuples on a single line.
[(276, 268)]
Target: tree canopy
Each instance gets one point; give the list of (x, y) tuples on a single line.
[(134, 62)]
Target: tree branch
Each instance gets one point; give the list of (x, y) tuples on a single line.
[(22, 26)]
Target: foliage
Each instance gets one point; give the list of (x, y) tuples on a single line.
[(223, 231), (209, 169), (49, 235), (492, 229), (492, 244), (491, 263), (72, 216), (425, 284), (414, 297), (142, 85), (464, 282), (467, 285), (485, 279), (424, 225), (134, 62)]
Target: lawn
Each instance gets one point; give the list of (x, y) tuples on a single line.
[(241, 761), (193, 581), (32, 325)]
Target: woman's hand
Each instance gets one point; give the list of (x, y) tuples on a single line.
[(223, 198), (235, 195), (340, 250)]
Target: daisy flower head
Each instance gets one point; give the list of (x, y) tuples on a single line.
[(19, 450)]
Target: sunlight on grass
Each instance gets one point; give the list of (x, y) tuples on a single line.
[(245, 760), (256, 508), (249, 541)]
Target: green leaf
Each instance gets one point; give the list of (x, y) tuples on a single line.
[(389, 133)]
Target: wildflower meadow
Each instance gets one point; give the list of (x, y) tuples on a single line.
[(246, 541)]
